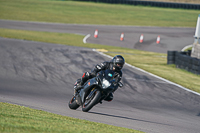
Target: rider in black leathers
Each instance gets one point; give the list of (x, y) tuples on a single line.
[(116, 64)]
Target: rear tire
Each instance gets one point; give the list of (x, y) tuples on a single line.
[(91, 102), (72, 103)]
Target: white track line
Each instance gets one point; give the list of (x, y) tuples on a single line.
[(186, 47), (85, 38), (152, 75), (144, 80)]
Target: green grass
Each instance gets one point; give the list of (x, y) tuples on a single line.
[(95, 13), (21, 119), (155, 63)]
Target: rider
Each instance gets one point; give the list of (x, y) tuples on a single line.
[(116, 64)]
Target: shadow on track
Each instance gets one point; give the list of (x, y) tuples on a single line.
[(128, 118)]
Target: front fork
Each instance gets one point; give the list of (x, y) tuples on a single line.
[(91, 93)]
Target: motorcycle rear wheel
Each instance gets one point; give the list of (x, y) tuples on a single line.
[(88, 104), (72, 103)]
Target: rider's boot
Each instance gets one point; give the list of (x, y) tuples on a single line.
[(79, 82), (77, 86)]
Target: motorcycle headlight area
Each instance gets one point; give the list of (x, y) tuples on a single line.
[(105, 83)]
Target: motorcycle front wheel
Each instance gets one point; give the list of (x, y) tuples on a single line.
[(93, 100), (72, 103)]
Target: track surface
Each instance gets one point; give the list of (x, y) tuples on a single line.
[(41, 76), (171, 38)]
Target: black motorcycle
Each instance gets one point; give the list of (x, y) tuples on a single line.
[(95, 90)]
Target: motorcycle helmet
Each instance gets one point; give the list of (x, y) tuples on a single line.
[(118, 62)]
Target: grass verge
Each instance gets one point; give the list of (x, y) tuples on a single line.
[(95, 13), (21, 119), (155, 63)]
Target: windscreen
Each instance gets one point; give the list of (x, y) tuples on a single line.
[(107, 74)]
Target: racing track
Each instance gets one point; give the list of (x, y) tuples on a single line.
[(171, 38), (41, 76)]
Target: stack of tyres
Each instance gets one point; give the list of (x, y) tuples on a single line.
[(171, 57), (183, 60), (195, 65), (198, 72), (189, 63), (184, 63), (182, 57), (178, 61)]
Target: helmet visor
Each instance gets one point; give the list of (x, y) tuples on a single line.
[(120, 65)]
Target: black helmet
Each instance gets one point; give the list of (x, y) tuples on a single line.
[(118, 62)]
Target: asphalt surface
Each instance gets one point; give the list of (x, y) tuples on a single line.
[(42, 75), (170, 38)]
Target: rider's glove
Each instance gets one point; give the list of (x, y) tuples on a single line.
[(93, 74)]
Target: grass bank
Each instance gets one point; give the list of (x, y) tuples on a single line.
[(155, 63), (95, 13), (22, 119)]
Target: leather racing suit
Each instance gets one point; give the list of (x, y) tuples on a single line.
[(95, 70)]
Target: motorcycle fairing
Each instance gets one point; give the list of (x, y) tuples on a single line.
[(88, 85)]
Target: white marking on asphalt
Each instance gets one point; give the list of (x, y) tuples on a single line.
[(144, 80), (153, 75), (186, 47), (85, 38)]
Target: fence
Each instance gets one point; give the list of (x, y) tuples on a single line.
[(183, 60)]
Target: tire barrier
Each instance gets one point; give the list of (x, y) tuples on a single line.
[(171, 57), (166, 4), (150, 3), (183, 60)]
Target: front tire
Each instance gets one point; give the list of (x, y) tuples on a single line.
[(72, 103), (88, 104)]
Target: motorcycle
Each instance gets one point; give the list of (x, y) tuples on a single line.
[(95, 90)]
